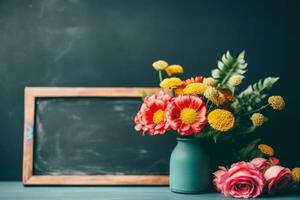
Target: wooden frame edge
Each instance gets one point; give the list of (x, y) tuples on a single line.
[(29, 109), (88, 91), (105, 180), (31, 93)]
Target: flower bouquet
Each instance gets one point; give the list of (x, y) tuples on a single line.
[(214, 108)]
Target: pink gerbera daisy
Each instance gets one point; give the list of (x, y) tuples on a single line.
[(187, 114), (151, 117)]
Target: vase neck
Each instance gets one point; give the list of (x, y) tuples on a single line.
[(181, 140)]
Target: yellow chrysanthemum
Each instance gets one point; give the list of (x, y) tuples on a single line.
[(236, 80), (277, 102), (170, 82), (209, 81), (296, 174), (174, 69), (257, 119), (160, 65), (266, 149), (195, 88), (221, 120), (214, 96)]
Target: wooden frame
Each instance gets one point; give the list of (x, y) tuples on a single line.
[(31, 93)]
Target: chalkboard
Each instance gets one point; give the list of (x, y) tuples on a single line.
[(86, 136)]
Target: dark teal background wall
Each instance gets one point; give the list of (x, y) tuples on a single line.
[(113, 43)]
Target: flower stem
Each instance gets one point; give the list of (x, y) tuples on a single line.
[(207, 102), (173, 92), (259, 109), (210, 107), (160, 76)]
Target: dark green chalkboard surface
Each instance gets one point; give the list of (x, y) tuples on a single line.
[(89, 132), (95, 136)]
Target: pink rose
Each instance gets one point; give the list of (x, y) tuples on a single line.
[(260, 163), (242, 180), (263, 164), (277, 178), (218, 178)]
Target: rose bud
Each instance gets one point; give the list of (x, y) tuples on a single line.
[(277, 178)]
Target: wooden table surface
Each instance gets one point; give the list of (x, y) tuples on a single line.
[(16, 191)]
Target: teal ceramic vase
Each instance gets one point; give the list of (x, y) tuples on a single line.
[(189, 167)]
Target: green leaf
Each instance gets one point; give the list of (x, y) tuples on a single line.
[(216, 137), (247, 130), (227, 67), (251, 97), (207, 132), (250, 150)]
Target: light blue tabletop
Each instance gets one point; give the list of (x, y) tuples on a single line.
[(16, 191)]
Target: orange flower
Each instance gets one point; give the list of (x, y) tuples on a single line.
[(197, 79), (174, 69), (229, 97), (179, 90)]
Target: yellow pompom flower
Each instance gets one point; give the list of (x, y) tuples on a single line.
[(160, 65), (266, 149), (236, 80), (209, 81), (221, 120), (173, 82), (296, 174), (257, 119), (195, 88), (174, 69), (277, 102)]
